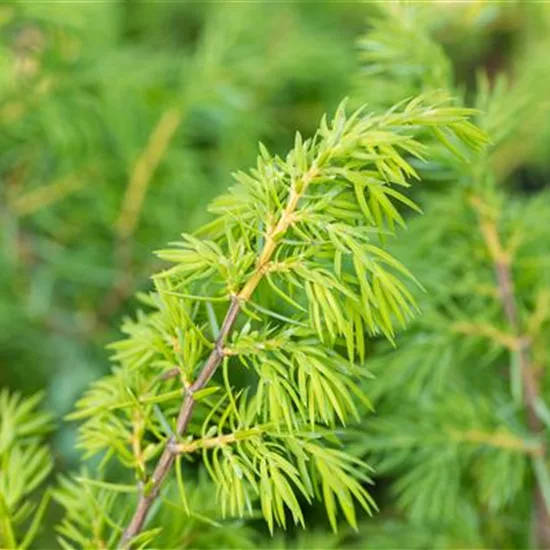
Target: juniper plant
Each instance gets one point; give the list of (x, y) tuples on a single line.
[(242, 374), (273, 298), (462, 402), (25, 463)]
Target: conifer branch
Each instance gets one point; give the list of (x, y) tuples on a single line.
[(310, 227), (166, 461), (503, 272), (171, 450), (25, 462), (144, 169)]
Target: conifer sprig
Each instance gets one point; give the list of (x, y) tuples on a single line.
[(525, 384), (25, 463), (462, 410), (295, 266)]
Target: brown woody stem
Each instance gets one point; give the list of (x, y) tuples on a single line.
[(503, 272), (171, 449)]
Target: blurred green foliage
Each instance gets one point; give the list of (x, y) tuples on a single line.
[(461, 426), (121, 120)]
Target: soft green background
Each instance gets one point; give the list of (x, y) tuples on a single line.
[(93, 95)]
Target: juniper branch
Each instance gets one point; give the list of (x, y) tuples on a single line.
[(503, 273), (307, 224), (171, 450)]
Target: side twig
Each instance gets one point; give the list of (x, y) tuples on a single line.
[(148, 161), (146, 164)]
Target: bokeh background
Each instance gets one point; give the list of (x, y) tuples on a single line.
[(120, 120)]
